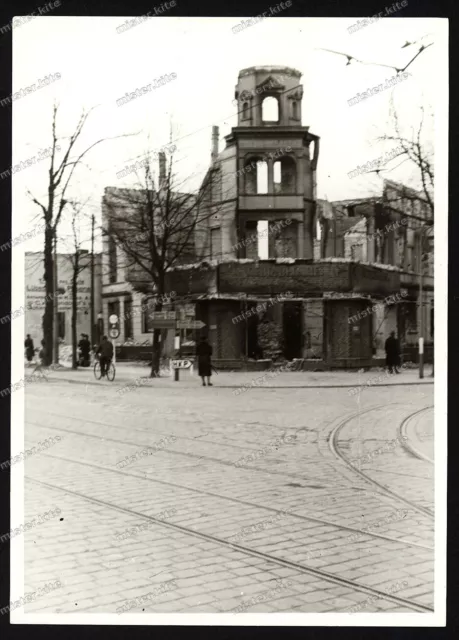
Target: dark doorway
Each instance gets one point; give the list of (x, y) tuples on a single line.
[(293, 330), (253, 348)]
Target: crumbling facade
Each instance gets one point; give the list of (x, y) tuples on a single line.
[(276, 283)]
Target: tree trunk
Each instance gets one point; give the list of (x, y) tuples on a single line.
[(74, 313), (47, 322), (157, 347)]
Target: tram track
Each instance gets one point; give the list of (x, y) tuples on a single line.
[(407, 443), (335, 449), (188, 454), (247, 503), (219, 461), (301, 568)]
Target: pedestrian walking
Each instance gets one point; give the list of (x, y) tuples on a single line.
[(41, 358), (29, 348), (204, 354), (86, 351), (84, 347), (80, 349), (392, 353)]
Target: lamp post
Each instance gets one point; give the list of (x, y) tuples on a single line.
[(55, 305), (100, 326), (427, 225)]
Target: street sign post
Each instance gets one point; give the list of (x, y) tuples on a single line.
[(175, 320), (184, 324), (114, 333), (113, 319), (181, 364)]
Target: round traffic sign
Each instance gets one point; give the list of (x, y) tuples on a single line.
[(113, 319), (114, 333)]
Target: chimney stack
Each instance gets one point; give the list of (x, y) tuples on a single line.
[(162, 168), (215, 136)]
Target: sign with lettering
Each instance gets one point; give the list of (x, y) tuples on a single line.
[(190, 324), (369, 279), (163, 315), (271, 278), (194, 280), (181, 364)]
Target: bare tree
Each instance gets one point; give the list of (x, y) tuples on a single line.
[(416, 151), (79, 261), (155, 227), (60, 175)]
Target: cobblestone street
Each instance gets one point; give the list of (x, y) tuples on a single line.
[(302, 500)]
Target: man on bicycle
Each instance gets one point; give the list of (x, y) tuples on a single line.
[(105, 349)]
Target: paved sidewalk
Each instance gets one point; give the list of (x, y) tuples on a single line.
[(138, 375)]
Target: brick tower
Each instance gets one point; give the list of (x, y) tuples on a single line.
[(276, 163)]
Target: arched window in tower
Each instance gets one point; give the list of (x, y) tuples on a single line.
[(295, 110), (245, 111), (270, 110), (284, 175), (262, 176)]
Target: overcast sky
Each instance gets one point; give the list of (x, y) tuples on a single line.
[(98, 66)]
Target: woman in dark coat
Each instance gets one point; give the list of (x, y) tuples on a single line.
[(392, 353), (30, 350), (85, 350), (204, 353)]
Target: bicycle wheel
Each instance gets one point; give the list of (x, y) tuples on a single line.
[(97, 371), (111, 372)]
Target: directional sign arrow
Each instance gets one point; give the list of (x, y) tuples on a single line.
[(181, 364), (190, 324)]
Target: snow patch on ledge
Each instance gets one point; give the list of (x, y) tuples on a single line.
[(376, 265), (211, 264), (285, 260)]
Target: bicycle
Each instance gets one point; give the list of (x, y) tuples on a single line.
[(111, 371)]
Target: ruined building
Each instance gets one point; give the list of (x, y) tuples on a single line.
[(271, 281)]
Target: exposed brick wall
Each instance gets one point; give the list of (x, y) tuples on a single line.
[(271, 278), (284, 242), (251, 248)]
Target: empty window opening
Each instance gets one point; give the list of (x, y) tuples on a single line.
[(277, 169), (215, 243), (262, 237), (262, 176), (318, 230), (284, 175), (270, 110), (249, 177), (295, 110)]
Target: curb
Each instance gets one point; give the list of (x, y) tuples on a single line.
[(310, 386)]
